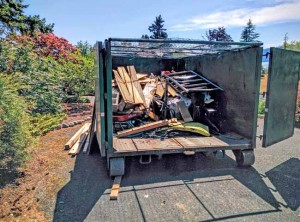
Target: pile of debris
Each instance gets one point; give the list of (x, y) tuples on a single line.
[(152, 106)]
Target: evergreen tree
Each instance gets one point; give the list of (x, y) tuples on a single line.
[(218, 34), (145, 36), (157, 28), (249, 34), (285, 41), (14, 20)]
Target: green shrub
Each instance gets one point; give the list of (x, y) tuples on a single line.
[(41, 124), (14, 127), (261, 107)]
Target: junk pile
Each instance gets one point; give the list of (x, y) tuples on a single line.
[(174, 103)]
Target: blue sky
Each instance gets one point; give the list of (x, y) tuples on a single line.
[(93, 20)]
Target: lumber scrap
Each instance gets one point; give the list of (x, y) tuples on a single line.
[(126, 78), (137, 86), (186, 116), (141, 76), (143, 128), (171, 91), (115, 188), (86, 144), (92, 130), (78, 145), (128, 98), (160, 89), (75, 137)]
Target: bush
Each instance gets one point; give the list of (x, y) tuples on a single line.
[(261, 107), (41, 124), (14, 127)]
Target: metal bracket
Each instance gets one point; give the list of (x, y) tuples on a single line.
[(145, 162), (267, 54)]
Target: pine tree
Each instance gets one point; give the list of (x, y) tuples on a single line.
[(218, 35), (285, 41), (157, 29), (249, 34), (14, 20), (145, 36)]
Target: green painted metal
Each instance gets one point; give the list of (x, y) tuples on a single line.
[(185, 41), (256, 96), (108, 91), (99, 98), (284, 68)]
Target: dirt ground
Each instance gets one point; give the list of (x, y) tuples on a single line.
[(26, 197)]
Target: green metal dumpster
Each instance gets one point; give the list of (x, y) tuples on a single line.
[(234, 66)]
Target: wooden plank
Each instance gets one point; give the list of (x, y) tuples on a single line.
[(141, 76), (87, 143), (143, 128), (160, 90), (172, 91), (78, 145), (200, 142), (115, 188), (184, 112), (138, 92), (75, 137), (123, 145), (126, 78), (123, 88), (146, 144), (153, 116)]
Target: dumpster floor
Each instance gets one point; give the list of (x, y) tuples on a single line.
[(126, 145)]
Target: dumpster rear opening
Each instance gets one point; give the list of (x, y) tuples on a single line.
[(234, 67)]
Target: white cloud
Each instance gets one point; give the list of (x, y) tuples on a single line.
[(283, 12)]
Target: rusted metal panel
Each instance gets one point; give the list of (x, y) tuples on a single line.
[(284, 68)]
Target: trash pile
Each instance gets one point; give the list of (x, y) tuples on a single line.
[(175, 103)]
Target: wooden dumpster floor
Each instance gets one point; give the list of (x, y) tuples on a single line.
[(123, 145)]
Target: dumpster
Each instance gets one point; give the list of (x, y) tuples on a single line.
[(232, 69)]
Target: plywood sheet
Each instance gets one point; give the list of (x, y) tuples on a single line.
[(123, 145), (156, 144), (198, 142)]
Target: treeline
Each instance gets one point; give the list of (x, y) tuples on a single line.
[(38, 71)]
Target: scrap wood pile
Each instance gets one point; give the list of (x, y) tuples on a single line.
[(78, 140), (175, 103)]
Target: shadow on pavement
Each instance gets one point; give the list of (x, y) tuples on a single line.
[(90, 185), (286, 179)]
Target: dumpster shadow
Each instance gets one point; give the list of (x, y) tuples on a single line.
[(286, 179), (90, 183)]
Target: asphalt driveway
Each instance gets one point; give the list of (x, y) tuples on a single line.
[(188, 188)]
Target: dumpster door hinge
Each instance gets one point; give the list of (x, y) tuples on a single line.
[(105, 96)]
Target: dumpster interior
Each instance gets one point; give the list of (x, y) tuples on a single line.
[(184, 96)]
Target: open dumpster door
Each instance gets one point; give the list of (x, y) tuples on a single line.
[(99, 98), (284, 68)]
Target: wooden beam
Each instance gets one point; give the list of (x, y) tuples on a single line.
[(123, 88), (80, 142), (137, 86), (115, 188), (143, 128), (75, 137)]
